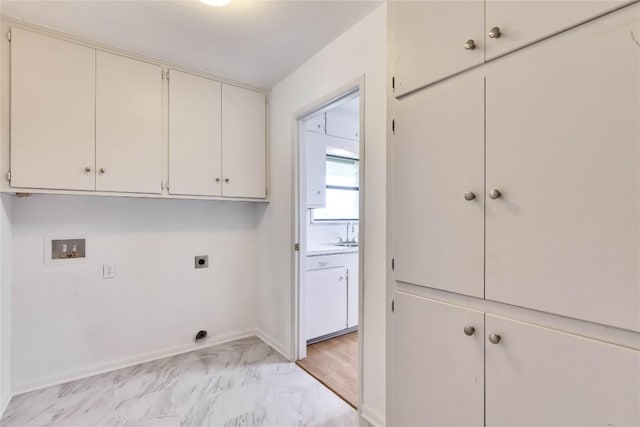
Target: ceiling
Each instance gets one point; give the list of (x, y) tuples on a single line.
[(258, 42)]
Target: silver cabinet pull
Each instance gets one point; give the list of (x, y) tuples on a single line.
[(469, 330), (495, 33), (469, 195), (226, 180), (470, 45), (217, 179), (101, 170), (495, 194), (494, 338), (87, 169)]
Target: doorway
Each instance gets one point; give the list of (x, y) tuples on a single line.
[(329, 200)]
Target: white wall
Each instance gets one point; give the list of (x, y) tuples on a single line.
[(68, 321), (359, 51), (5, 300)]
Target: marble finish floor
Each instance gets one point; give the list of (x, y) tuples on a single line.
[(243, 383)]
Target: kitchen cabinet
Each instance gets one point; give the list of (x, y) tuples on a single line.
[(439, 234), (444, 373), (537, 376), (315, 124), (195, 147), (344, 121), (437, 373), (52, 113), (563, 144), (352, 262), (326, 301), (435, 40), (128, 125), (559, 232), (243, 142), (316, 171)]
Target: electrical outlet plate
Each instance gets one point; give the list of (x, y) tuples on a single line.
[(108, 271), (202, 261)]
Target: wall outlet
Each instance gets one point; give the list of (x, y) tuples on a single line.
[(108, 271), (202, 261)]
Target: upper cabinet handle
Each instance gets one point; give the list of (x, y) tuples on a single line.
[(470, 45), (87, 169), (495, 193), (495, 33)]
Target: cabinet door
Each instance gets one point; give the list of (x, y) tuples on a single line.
[(563, 144), (521, 22), (430, 39), (353, 288), (540, 377), (52, 113), (343, 125), (128, 125), (326, 301), (437, 373), (195, 165), (316, 153), (315, 124), (243, 142), (439, 239)]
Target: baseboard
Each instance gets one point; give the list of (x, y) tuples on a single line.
[(273, 343), (5, 399), (372, 417), (19, 388)]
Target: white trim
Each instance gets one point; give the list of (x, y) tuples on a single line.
[(371, 416), (6, 398), (273, 343), (126, 362)]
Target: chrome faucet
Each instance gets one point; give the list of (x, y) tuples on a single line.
[(353, 240)]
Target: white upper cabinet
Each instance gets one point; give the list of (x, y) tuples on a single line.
[(195, 149), (344, 121), (511, 24), (52, 113), (128, 125), (316, 170), (541, 377), (315, 124), (563, 143), (435, 39), (439, 180), (438, 39), (437, 358), (243, 142)]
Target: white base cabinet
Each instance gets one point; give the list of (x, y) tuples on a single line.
[(326, 301), (443, 373)]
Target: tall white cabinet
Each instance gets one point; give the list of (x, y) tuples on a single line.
[(516, 198)]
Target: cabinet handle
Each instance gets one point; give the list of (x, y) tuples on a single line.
[(470, 45), (87, 169), (494, 338), (217, 179), (101, 170), (469, 330), (469, 195), (226, 180), (495, 33), (495, 194)]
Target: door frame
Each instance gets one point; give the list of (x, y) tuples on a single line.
[(299, 225)]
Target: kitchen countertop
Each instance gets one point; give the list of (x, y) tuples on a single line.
[(330, 250)]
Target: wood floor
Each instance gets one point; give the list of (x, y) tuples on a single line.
[(334, 363)]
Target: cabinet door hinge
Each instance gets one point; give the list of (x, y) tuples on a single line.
[(9, 35), (168, 75), (393, 264), (162, 74), (9, 176), (393, 83), (393, 306), (296, 247), (393, 126), (162, 185)]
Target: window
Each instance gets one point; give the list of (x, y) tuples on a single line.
[(343, 190)]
